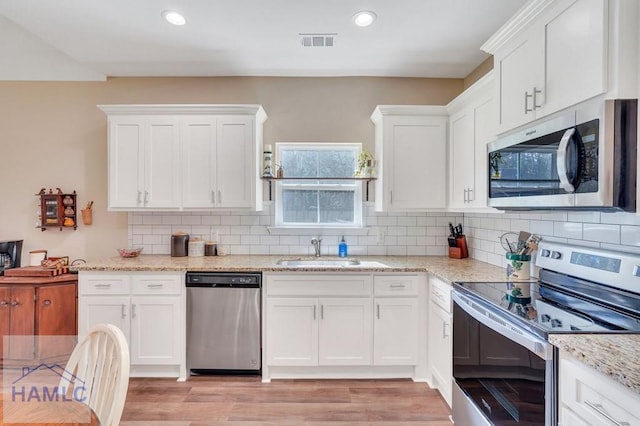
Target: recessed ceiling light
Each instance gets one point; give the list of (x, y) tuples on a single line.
[(173, 17), (364, 18)]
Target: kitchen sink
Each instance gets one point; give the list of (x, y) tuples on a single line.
[(329, 263)]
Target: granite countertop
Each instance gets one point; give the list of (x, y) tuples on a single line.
[(442, 266), (615, 355)]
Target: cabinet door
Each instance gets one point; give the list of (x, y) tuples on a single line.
[(345, 331), (94, 310), (571, 75), (22, 323), (440, 350), (198, 136), (292, 331), (520, 69), (236, 173), (485, 123), (462, 159), (126, 162), (416, 162), (395, 331), (5, 315), (155, 329), (162, 163), (56, 316)]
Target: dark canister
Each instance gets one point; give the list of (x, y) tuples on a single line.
[(179, 244)]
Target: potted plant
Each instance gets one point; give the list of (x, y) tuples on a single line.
[(495, 159), (365, 162)]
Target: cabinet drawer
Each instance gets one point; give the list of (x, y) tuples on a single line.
[(300, 284), (440, 293), (594, 397), (396, 285), (157, 284), (104, 284)]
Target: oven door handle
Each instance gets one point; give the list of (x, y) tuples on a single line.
[(561, 161), (500, 325)]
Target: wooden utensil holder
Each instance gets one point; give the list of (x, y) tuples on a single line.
[(460, 251), (87, 216)]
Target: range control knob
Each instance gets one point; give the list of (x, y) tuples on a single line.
[(556, 255), (545, 253)]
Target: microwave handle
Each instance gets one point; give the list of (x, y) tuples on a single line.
[(561, 161)]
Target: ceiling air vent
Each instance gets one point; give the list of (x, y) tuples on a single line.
[(317, 40)]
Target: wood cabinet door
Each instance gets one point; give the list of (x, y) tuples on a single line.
[(22, 323), (5, 315), (56, 316)]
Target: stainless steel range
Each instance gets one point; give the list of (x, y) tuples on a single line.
[(504, 368)]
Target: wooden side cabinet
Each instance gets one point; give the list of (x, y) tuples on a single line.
[(58, 210), (37, 308)]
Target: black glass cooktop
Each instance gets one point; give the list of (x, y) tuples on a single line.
[(548, 309)]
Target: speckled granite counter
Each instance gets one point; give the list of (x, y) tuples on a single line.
[(616, 355), (444, 267)]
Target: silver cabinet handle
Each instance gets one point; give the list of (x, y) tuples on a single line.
[(535, 98), (469, 192), (526, 103), (155, 285), (321, 311), (4, 303), (391, 197), (219, 196), (598, 408), (378, 310), (445, 329), (466, 195), (213, 196), (398, 285), (123, 313), (139, 196), (314, 312), (133, 311), (561, 160), (15, 303), (146, 197), (102, 285)]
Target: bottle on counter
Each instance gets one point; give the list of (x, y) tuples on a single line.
[(342, 248)]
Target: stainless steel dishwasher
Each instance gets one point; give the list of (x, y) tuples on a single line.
[(223, 322)]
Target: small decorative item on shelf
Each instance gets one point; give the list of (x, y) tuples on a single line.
[(280, 172), (495, 159), (267, 155), (57, 209), (366, 163)]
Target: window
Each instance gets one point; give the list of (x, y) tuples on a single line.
[(307, 202)]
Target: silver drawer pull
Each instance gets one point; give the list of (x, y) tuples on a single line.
[(123, 314), (102, 285), (598, 408), (155, 285), (133, 311), (378, 310), (398, 285)]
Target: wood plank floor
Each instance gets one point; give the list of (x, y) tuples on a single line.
[(245, 401)]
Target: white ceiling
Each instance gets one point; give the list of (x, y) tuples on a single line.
[(93, 39)]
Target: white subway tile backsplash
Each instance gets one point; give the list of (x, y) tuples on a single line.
[(592, 217), (630, 235), (601, 232), (541, 227), (230, 220), (567, 230), (407, 221)]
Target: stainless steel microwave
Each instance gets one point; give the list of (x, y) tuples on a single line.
[(581, 158)]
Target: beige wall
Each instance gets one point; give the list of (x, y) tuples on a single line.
[(479, 72), (54, 136)]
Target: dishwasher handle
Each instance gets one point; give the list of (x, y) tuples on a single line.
[(223, 280), (221, 285)]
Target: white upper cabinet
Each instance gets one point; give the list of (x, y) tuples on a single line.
[(472, 125), (410, 144), (175, 157), (143, 161), (554, 54)]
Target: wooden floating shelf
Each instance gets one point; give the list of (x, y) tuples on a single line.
[(363, 179)]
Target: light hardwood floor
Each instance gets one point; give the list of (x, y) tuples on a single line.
[(245, 401)]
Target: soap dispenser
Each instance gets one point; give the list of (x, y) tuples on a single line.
[(342, 248)]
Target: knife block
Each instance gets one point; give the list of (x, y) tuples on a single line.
[(460, 251)]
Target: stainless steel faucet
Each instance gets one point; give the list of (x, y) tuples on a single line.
[(316, 245)]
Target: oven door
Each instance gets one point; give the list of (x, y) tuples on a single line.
[(503, 374)]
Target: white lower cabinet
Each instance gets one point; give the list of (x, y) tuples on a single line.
[(325, 325), (148, 308), (588, 397), (440, 343)]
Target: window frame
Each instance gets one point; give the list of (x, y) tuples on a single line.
[(346, 183)]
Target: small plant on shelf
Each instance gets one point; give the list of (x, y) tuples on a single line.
[(495, 159), (365, 163)]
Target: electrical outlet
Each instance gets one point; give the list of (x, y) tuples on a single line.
[(379, 235)]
